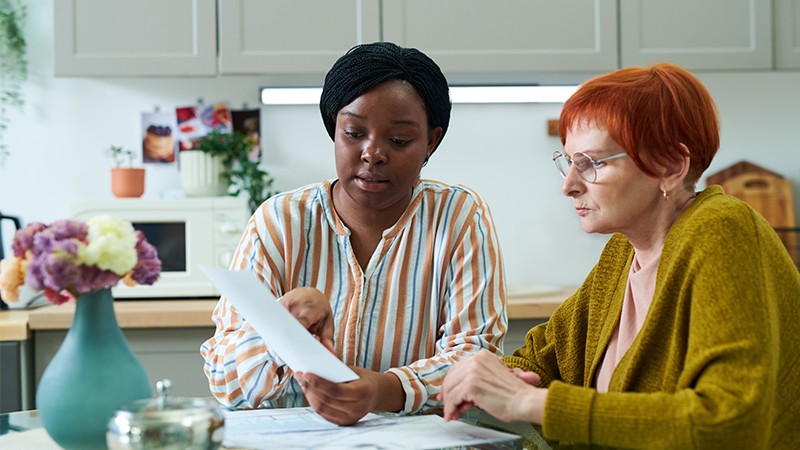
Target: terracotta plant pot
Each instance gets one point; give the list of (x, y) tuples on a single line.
[(127, 182)]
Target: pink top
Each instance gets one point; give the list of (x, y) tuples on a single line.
[(638, 296)]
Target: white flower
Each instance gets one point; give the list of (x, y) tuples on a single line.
[(112, 245)]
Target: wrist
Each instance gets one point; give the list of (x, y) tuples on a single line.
[(532, 405), (390, 396)]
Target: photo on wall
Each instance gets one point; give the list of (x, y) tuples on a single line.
[(194, 122), (190, 127), (248, 122), (216, 117), (158, 141)]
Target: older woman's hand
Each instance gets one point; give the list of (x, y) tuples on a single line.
[(347, 403), (483, 380), (310, 307)]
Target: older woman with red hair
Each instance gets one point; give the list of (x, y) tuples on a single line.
[(686, 334)]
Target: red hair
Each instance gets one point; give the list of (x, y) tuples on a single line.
[(649, 113)]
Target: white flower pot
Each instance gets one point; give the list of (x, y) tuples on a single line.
[(200, 174)]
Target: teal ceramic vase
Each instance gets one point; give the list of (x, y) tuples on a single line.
[(93, 373)]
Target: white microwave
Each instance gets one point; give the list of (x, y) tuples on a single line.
[(185, 232)]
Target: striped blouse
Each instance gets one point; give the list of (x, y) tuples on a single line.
[(433, 293)]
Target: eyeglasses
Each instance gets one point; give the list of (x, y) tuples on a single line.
[(587, 167)]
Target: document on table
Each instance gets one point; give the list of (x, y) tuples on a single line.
[(302, 428), (283, 334)]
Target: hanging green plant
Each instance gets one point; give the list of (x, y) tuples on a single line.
[(13, 66)]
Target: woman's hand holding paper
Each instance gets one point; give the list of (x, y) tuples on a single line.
[(347, 403), (310, 307)]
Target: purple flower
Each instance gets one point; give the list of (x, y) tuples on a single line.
[(23, 239), (146, 271), (68, 246), (35, 274), (51, 254), (59, 270), (148, 265), (91, 279), (66, 229)]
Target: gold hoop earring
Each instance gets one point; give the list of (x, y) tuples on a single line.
[(666, 195)]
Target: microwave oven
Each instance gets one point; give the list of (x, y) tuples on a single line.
[(185, 232)]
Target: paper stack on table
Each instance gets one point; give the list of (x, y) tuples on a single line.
[(302, 428)]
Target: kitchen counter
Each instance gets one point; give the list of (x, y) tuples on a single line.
[(539, 306), (17, 325), (133, 314), (14, 325)]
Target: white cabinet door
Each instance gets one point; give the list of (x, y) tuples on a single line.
[(507, 36), (132, 38), (697, 34), (787, 34), (292, 37)]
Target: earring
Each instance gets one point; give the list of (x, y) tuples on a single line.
[(666, 195)]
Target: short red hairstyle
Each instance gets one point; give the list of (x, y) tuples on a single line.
[(649, 113)]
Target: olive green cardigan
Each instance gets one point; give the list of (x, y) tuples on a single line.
[(716, 364)]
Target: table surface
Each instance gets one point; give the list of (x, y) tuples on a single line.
[(23, 429), (18, 325)]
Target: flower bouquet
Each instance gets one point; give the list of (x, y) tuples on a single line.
[(94, 371), (70, 258)]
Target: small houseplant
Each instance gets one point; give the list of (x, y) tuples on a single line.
[(125, 181), (241, 172)]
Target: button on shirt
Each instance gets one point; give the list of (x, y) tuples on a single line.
[(433, 293)]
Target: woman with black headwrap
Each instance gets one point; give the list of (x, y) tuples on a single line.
[(399, 277)]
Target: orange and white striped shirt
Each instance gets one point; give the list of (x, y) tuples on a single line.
[(433, 293)]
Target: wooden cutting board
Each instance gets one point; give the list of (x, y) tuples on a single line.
[(768, 193)]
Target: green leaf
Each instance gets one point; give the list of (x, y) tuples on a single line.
[(243, 175), (13, 65)]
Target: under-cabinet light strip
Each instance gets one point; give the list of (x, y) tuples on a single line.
[(458, 94)]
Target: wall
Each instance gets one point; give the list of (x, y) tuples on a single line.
[(502, 151)]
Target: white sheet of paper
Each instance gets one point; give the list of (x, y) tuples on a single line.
[(283, 334), (303, 429)]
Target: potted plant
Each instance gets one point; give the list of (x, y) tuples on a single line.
[(13, 66), (202, 174), (241, 173), (125, 181)]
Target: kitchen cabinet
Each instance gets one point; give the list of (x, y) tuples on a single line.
[(141, 38), (279, 37), (492, 42), (16, 362), (508, 36), (165, 335), (16, 378), (172, 353), (787, 34), (697, 35)]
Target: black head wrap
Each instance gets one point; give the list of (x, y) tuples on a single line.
[(367, 65)]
